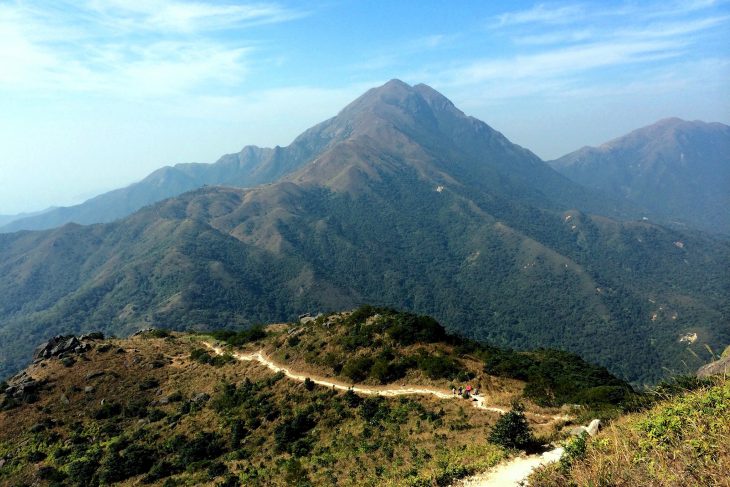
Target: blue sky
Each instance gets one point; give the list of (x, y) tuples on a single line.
[(95, 94)]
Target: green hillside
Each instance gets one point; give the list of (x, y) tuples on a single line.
[(415, 206), (164, 409)]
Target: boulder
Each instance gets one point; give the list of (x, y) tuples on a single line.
[(94, 335), (59, 345), (718, 367), (94, 374), (593, 427), (200, 398)]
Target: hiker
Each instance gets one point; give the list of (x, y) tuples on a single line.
[(460, 390), (453, 390)]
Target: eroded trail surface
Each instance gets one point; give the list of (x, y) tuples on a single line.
[(513, 472)]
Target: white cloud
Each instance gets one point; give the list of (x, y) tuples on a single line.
[(127, 48), (188, 17)]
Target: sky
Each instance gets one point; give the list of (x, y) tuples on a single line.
[(96, 94)]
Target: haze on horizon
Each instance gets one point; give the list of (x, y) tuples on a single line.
[(95, 95)]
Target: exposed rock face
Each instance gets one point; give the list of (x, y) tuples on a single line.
[(591, 429), (61, 345), (717, 367)]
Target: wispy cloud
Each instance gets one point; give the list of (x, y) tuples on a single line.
[(128, 48), (179, 16), (561, 47)]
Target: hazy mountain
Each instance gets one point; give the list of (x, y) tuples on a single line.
[(678, 170), (250, 167), (408, 203), (6, 219)]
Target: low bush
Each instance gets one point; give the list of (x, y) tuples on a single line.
[(511, 429)]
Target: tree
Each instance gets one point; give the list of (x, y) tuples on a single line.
[(512, 430)]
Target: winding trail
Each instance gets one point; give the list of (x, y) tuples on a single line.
[(510, 473), (478, 402)]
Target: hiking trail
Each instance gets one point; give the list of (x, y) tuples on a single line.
[(511, 473), (478, 402)]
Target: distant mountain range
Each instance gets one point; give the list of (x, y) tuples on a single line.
[(674, 171), (399, 200), (678, 170)]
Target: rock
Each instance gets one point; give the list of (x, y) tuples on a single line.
[(142, 331), (89, 389), (64, 399), (2, 462), (104, 347), (593, 427), (60, 345), (95, 374), (94, 335), (201, 398), (120, 350), (65, 345), (68, 361), (718, 367)]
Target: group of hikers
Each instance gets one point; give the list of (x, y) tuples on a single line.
[(466, 392)]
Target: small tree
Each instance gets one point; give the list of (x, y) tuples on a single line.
[(512, 430)]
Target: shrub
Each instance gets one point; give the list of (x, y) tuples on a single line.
[(438, 366), (81, 471), (148, 383), (357, 368), (288, 432), (574, 450), (352, 399), (511, 429), (374, 409), (107, 410), (157, 333)]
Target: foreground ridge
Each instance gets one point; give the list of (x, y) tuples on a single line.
[(478, 402)]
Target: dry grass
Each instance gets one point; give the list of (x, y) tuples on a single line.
[(680, 442), (346, 449)]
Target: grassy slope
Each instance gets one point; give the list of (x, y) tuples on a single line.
[(261, 428), (375, 442), (681, 441)]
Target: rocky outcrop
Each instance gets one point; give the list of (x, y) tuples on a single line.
[(62, 345), (717, 367)]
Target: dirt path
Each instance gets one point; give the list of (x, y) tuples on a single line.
[(478, 402), (513, 472)]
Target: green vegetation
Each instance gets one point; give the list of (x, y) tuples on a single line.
[(436, 254), (205, 357), (239, 337), (230, 424), (512, 430), (372, 345), (680, 440), (554, 377)]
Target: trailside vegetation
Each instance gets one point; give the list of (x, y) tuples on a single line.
[(681, 440), (381, 345)]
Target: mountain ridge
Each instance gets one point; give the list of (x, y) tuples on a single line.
[(474, 236), (678, 170)]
